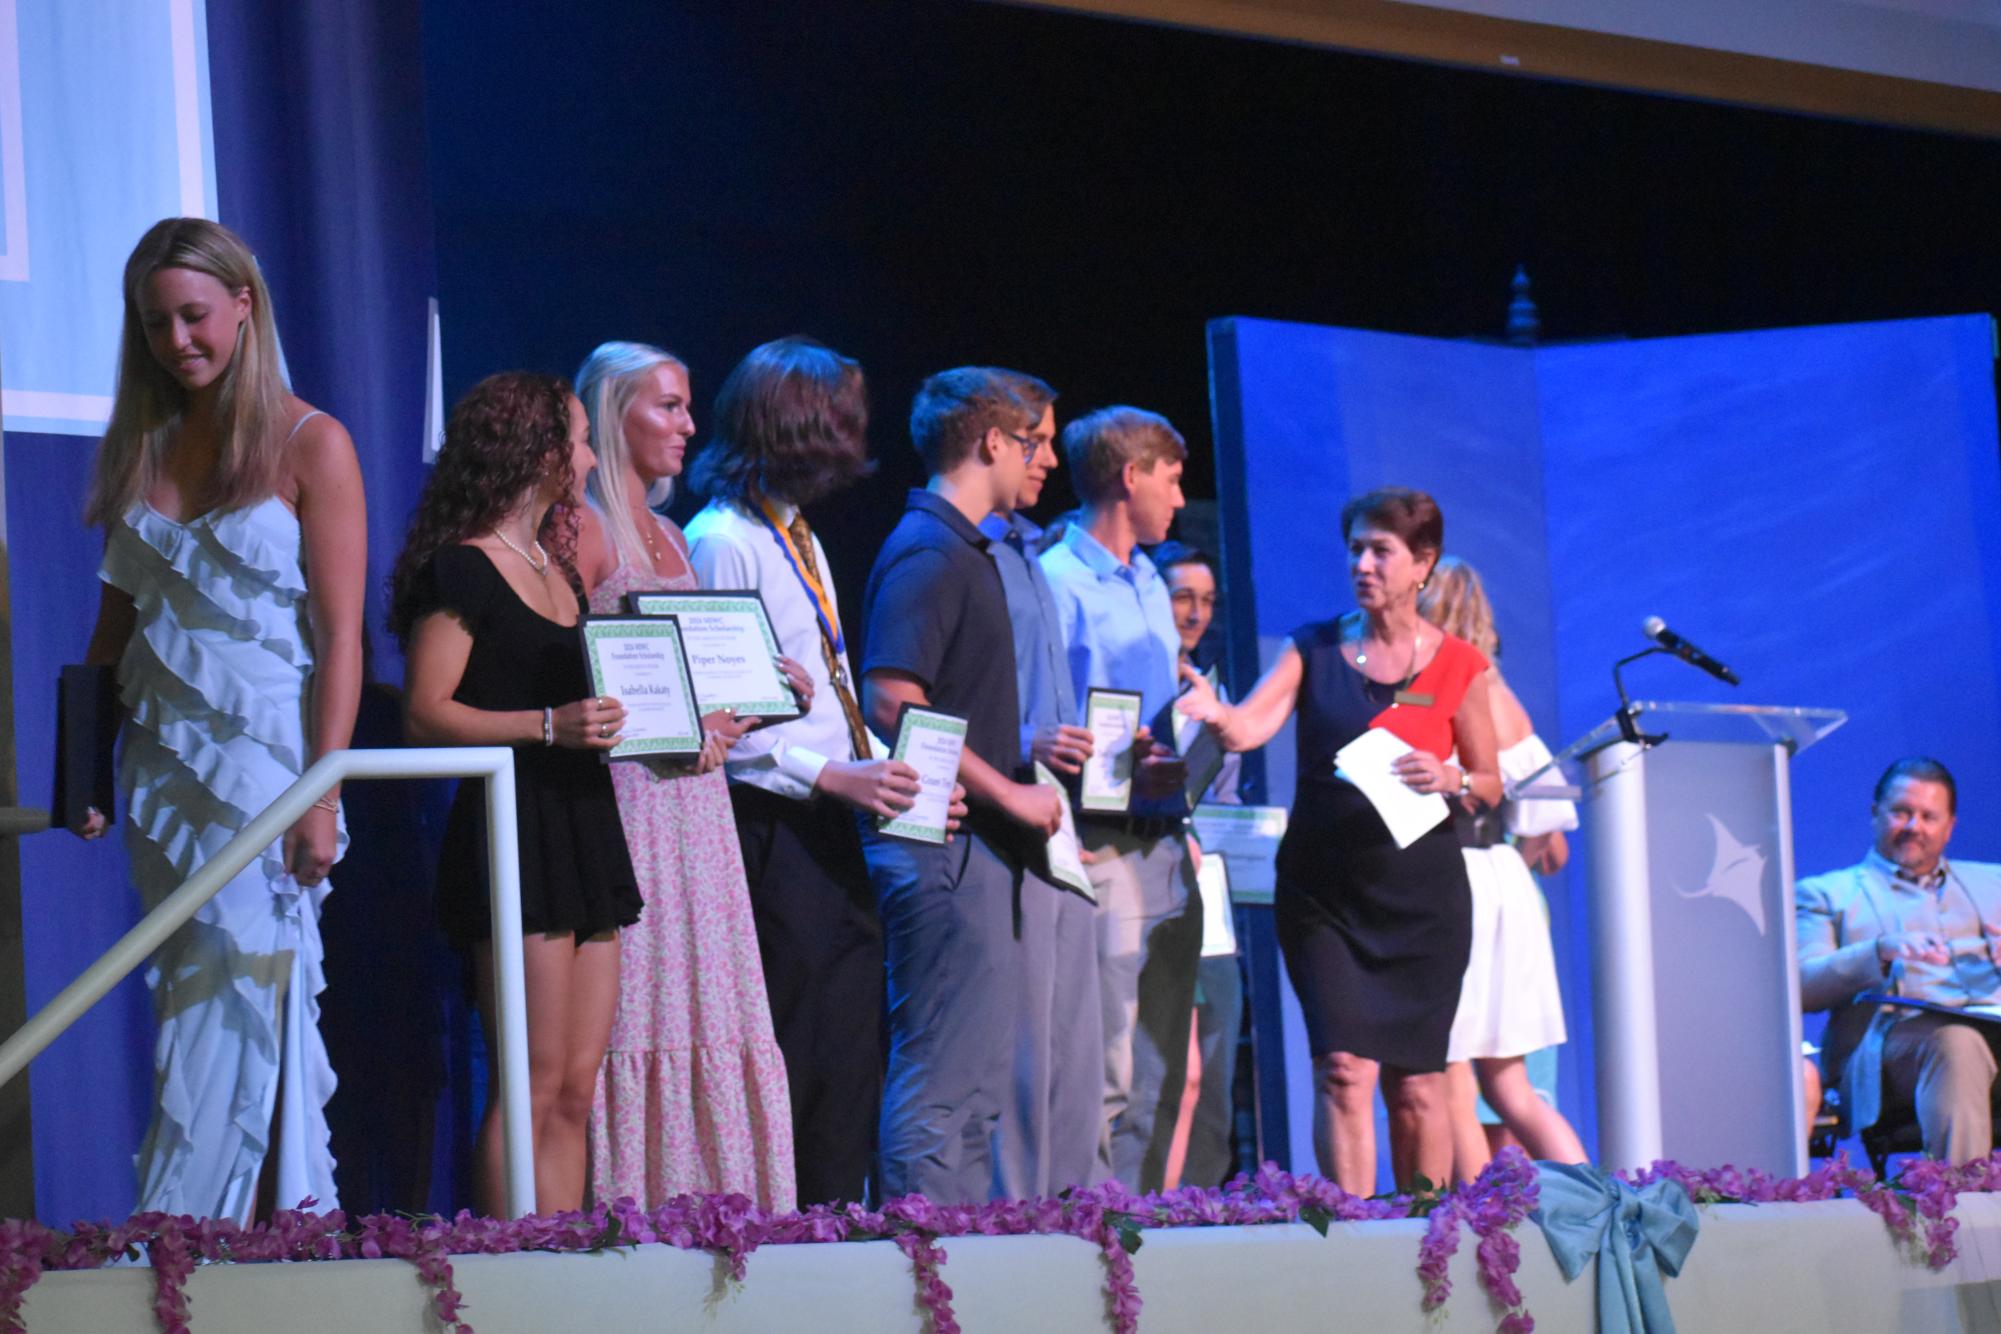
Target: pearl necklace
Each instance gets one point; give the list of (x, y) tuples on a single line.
[(538, 565)]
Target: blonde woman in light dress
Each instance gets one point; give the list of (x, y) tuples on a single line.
[(1509, 1004), (692, 1096), (234, 563)]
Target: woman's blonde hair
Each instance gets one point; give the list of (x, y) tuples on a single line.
[(1455, 601), (150, 404), (607, 383)]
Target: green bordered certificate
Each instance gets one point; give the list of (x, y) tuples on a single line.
[(638, 661), (1112, 716), (1247, 837), (929, 742), (1065, 856), (732, 653)]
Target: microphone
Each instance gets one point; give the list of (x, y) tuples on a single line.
[(1656, 629)]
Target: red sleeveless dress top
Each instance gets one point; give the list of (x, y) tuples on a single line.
[(1429, 726)]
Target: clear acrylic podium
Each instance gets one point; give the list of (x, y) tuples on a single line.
[(1695, 984)]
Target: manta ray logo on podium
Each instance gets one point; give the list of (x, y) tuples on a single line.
[(1736, 873)]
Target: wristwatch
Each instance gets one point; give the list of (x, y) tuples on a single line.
[(1465, 783)]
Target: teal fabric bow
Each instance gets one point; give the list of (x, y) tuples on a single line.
[(1636, 1234)]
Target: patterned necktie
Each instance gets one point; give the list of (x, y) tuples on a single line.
[(802, 540)]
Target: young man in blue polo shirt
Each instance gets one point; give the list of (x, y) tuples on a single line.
[(939, 636), (1118, 624), (1050, 1123)]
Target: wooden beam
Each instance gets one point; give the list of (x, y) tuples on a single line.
[(1547, 51)]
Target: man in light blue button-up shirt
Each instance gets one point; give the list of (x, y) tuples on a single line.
[(1118, 627)]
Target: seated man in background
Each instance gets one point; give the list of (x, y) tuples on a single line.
[(1906, 922)]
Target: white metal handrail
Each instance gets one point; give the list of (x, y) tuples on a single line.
[(493, 763)]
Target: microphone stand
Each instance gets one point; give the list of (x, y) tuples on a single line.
[(1629, 715)]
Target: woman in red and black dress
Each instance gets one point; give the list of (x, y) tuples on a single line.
[(1375, 936)]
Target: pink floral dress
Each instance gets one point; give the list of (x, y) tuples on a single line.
[(692, 1095)]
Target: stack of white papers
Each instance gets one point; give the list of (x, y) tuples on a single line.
[(1366, 762)]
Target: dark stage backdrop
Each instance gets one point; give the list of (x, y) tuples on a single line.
[(925, 184)]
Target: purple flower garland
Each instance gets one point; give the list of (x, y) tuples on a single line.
[(1916, 1206)]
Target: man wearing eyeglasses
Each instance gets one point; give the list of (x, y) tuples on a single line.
[(939, 637), (1048, 1136)]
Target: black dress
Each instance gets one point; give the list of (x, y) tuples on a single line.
[(576, 875), (1375, 936)]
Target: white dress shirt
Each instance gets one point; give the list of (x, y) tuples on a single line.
[(732, 549)]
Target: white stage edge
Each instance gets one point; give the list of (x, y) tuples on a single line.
[(1811, 1268)]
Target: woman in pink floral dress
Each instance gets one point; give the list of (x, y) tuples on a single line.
[(692, 1095)]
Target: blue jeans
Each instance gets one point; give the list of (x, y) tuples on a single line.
[(948, 930)]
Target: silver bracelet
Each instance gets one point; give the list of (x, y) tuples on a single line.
[(548, 727)]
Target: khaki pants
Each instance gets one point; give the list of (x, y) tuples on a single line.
[(1945, 1069)]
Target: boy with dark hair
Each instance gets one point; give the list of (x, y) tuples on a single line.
[(792, 428), (939, 637)]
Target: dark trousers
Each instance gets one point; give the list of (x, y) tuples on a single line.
[(821, 944)]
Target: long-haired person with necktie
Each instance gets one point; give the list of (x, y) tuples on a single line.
[(791, 429)]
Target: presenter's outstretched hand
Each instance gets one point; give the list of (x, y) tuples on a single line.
[(802, 684), (1036, 805), (590, 724), (1924, 946), (877, 787), (1199, 701), (1062, 747)]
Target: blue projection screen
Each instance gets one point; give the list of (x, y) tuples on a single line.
[(1818, 507), (104, 130)]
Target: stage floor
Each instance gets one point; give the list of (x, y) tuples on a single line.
[(1811, 1268)]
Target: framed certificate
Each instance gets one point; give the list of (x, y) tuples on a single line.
[(929, 742), (1065, 853), (1112, 717), (1247, 837), (638, 661), (732, 653)]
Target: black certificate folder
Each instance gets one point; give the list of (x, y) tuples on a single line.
[(87, 719)]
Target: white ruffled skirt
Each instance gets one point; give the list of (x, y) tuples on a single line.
[(1509, 1004)]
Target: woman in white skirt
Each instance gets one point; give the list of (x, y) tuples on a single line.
[(1509, 1005)]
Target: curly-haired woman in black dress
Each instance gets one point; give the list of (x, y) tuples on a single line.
[(486, 599)]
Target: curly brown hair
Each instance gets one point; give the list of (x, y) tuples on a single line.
[(509, 434)]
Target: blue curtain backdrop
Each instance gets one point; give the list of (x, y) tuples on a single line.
[(1815, 506), (321, 165)]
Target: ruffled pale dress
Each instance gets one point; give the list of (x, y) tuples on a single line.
[(1509, 1003), (692, 1096), (214, 680)]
